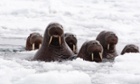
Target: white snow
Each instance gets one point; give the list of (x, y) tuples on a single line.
[(85, 18)]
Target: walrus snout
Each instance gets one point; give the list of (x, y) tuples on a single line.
[(112, 40), (36, 39), (71, 41), (94, 48), (55, 31)]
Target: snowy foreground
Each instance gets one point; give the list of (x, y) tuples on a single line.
[(85, 18), (125, 70)]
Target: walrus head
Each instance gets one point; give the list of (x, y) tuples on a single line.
[(95, 50), (55, 33), (111, 40), (91, 51), (71, 40), (35, 41), (130, 48)]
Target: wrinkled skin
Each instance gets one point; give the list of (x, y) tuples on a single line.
[(108, 40), (33, 41), (91, 51), (54, 47), (130, 48), (71, 40)]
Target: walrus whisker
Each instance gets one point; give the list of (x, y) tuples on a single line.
[(74, 48), (92, 56), (59, 40), (33, 46), (50, 40)]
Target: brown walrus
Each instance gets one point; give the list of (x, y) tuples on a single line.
[(54, 47), (34, 41), (130, 48), (71, 40), (91, 51), (108, 40)]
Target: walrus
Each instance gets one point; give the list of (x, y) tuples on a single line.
[(71, 40), (130, 48), (33, 41), (108, 40), (54, 47), (91, 51)]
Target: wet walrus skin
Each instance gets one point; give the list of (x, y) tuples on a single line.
[(34, 41), (108, 40), (54, 47), (130, 48), (91, 51), (71, 40)]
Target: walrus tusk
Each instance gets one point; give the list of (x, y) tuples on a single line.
[(40, 45), (33, 46), (59, 40), (50, 40), (100, 54), (74, 48), (108, 46), (92, 56)]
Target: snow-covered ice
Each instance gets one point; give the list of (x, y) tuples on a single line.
[(85, 18)]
